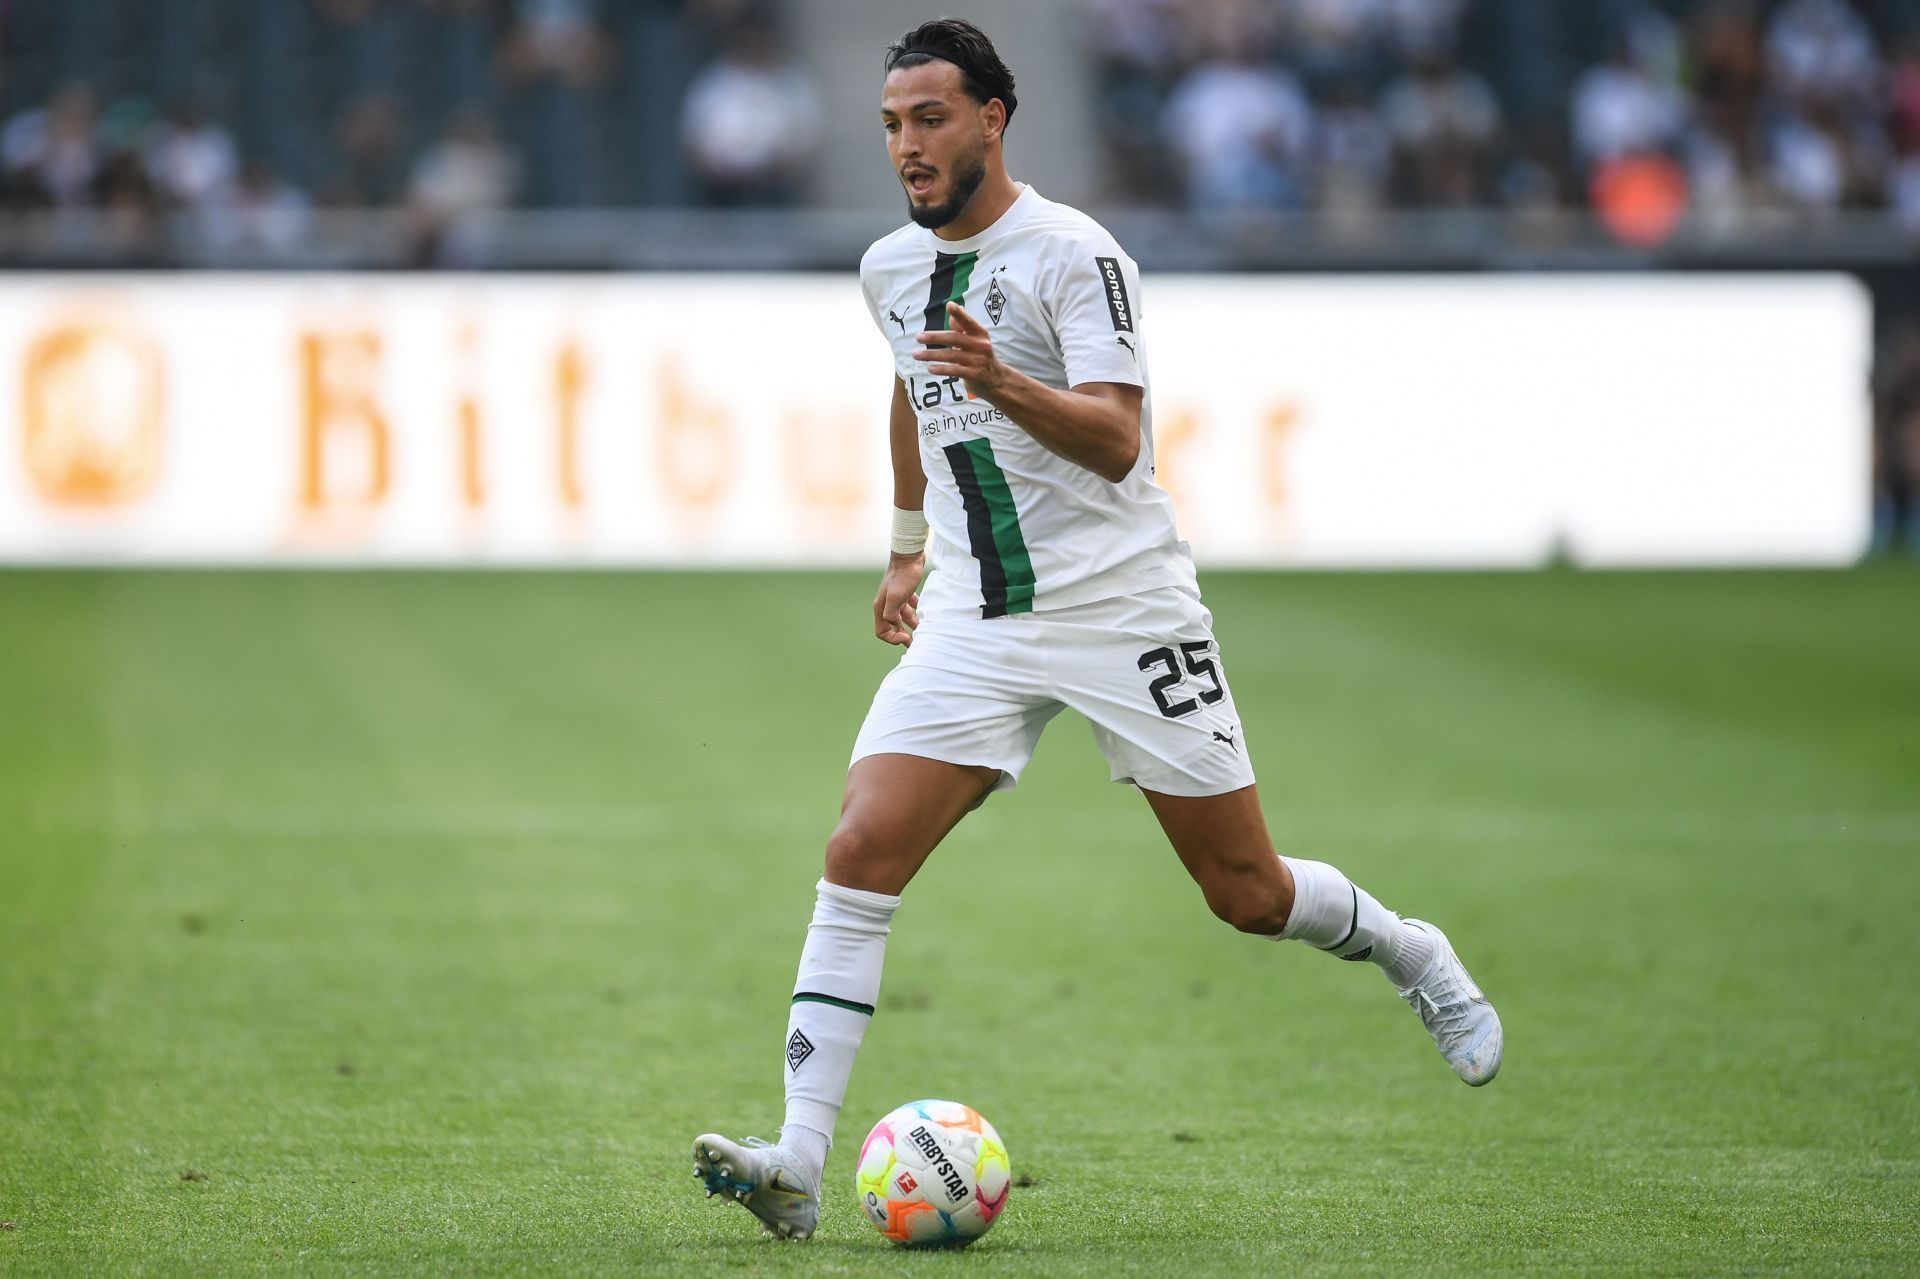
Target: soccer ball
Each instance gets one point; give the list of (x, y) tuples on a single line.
[(932, 1173)]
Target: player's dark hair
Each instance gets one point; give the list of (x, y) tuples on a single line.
[(966, 46)]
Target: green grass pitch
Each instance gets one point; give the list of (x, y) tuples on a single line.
[(398, 923)]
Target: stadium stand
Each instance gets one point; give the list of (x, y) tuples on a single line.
[(1231, 134), (1339, 105)]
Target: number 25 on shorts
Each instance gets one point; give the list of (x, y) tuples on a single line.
[(1198, 664)]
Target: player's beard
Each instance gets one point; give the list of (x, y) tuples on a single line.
[(968, 174)]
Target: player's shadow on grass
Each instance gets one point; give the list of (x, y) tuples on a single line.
[(875, 1250)]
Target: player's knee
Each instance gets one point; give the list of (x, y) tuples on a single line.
[(1252, 900), (1249, 915), (853, 855)]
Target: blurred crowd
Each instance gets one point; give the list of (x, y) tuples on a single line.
[(439, 108), (1639, 110), (1636, 109)]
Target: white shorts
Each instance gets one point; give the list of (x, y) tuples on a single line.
[(1144, 669)]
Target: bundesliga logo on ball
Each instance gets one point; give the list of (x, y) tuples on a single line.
[(933, 1173)]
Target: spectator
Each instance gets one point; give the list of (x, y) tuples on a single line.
[(1530, 183), (192, 160), (264, 215), (122, 189), (1806, 163), (1821, 51), (51, 154), (367, 163), (1721, 145), (1445, 123), (1138, 38), (557, 55), (1822, 159), (1653, 41), (557, 40), (1719, 177), (1137, 47), (1903, 93), (1214, 28), (1353, 151), (1640, 198), (1241, 131), (750, 123), (1619, 110), (1902, 180), (1421, 28), (1903, 191), (1334, 39), (1729, 74), (465, 174), (122, 180)]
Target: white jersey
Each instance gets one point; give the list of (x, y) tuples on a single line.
[(1016, 528)]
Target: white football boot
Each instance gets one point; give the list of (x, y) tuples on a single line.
[(767, 1180), (1463, 1024)]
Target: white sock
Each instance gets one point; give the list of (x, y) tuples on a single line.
[(811, 1146), (1332, 913), (833, 1000)]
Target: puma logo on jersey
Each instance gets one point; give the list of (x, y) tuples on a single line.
[(1219, 736), (1130, 351), (895, 317)]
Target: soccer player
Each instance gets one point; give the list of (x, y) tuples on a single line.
[(1022, 447)]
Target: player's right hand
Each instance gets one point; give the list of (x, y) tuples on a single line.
[(895, 608)]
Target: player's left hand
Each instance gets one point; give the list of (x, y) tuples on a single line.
[(965, 350)]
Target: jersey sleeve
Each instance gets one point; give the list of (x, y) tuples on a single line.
[(869, 285), (1095, 313)]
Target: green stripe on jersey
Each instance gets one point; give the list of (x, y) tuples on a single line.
[(993, 524), (993, 529), (952, 272)]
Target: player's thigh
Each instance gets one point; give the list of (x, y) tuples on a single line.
[(967, 692), (1223, 842), (956, 719), (896, 810)]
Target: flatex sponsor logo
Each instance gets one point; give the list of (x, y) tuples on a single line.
[(966, 411), (970, 419), (931, 393), (1116, 286)]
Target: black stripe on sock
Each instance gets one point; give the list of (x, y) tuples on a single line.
[(814, 997), (941, 290), (1353, 927), (993, 573)]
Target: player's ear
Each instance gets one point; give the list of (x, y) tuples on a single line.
[(993, 119)]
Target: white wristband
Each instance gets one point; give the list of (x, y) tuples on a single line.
[(909, 532)]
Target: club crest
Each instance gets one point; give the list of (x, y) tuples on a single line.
[(996, 300)]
